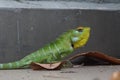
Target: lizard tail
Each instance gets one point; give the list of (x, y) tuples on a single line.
[(12, 65)]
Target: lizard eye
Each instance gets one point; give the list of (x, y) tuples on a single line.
[(80, 30)]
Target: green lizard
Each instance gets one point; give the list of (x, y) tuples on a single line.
[(54, 51)]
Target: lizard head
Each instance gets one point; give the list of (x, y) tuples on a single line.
[(80, 36)]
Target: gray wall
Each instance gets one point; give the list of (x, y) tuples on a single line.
[(23, 31)]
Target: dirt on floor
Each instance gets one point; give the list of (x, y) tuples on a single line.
[(77, 73)]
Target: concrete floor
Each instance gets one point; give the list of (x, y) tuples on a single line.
[(79, 73)]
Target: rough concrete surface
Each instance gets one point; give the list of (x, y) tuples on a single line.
[(25, 30), (103, 1), (81, 73), (59, 5)]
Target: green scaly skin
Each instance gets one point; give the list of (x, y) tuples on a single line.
[(54, 51)]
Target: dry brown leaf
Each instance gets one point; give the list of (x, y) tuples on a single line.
[(52, 66), (98, 55), (58, 65)]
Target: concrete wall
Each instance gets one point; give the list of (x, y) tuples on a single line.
[(23, 31)]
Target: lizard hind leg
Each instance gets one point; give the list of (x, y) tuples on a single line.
[(67, 64)]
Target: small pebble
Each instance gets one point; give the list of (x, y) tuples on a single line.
[(115, 76)]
